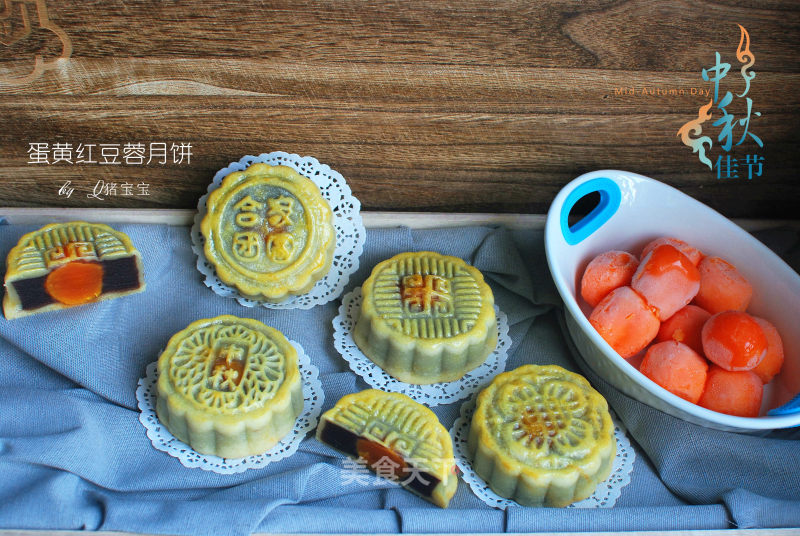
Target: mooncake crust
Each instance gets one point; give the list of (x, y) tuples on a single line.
[(29, 259), (201, 402), (542, 436), (268, 232), (455, 331), (402, 425)]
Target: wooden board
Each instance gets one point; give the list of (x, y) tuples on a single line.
[(421, 105), (372, 219)]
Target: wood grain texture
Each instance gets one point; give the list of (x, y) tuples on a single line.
[(421, 105)]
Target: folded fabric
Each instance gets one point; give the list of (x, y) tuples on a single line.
[(74, 455)]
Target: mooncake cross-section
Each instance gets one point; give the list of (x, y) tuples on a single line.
[(426, 318), (229, 386), (67, 264), (395, 437), (268, 232), (542, 436)]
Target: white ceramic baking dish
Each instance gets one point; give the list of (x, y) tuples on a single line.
[(633, 210)]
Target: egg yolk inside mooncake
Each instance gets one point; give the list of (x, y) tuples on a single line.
[(66, 264), (395, 437)]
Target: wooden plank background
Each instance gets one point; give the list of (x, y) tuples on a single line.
[(422, 105)]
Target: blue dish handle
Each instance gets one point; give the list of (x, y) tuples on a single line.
[(790, 408), (610, 199)]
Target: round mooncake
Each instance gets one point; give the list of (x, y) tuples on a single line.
[(542, 436), (396, 438), (229, 386), (66, 264), (268, 232), (426, 318)]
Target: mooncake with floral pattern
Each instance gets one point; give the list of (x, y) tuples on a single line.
[(229, 386), (542, 436)]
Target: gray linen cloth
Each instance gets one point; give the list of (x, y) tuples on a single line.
[(73, 454)]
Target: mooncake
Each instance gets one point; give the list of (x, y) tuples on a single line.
[(397, 438), (66, 264), (542, 436), (426, 318), (229, 386), (268, 232)]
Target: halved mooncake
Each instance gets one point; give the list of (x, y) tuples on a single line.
[(268, 232), (66, 264), (229, 386), (426, 318), (397, 438), (542, 436)]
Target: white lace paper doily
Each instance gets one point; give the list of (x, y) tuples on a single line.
[(604, 496), (161, 439), (432, 394), (350, 232)]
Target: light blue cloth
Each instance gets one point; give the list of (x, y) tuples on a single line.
[(73, 454)]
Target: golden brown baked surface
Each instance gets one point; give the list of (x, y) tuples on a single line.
[(426, 317), (229, 386), (542, 436), (268, 232)]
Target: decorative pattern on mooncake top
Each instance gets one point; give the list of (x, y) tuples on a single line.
[(229, 386), (541, 435), (395, 437), (268, 232), (426, 317), (67, 264)]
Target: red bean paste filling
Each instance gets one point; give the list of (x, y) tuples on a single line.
[(346, 441), (119, 275)]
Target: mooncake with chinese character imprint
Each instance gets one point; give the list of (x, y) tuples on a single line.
[(542, 436), (229, 386), (395, 437), (66, 264), (426, 318), (268, 232)]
